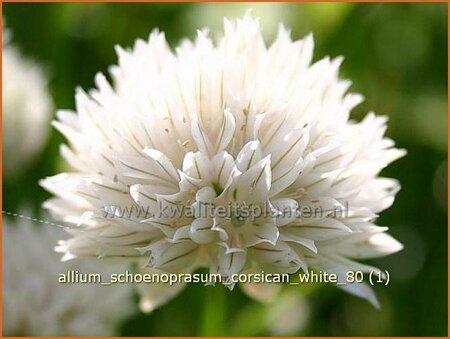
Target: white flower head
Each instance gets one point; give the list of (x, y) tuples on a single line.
[(35, 303), (256, 133), (26, 108)]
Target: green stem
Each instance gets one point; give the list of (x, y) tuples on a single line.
[(214, 312)]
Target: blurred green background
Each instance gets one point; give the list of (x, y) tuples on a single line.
[(395, 54)]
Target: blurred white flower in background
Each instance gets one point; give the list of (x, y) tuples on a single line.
[(288, 315), (26, 109), (36, 304), (237, 123)]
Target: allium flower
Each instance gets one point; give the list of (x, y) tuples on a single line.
[(26, 109), (36, 304), (229, 124)]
